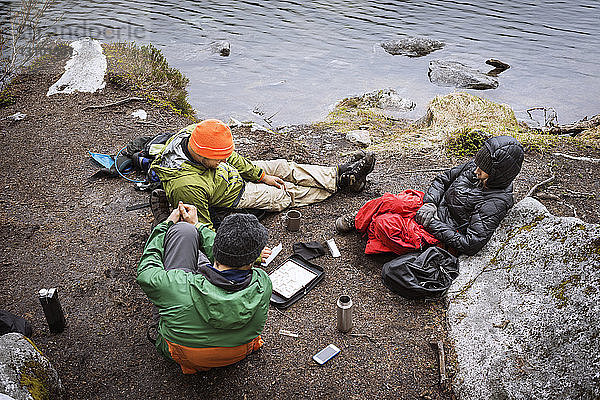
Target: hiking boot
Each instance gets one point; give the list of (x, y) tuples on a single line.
[(159, 206), (345, 223), (342, 168), (354, 178)]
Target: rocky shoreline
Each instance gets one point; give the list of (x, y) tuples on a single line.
[(58, 229)]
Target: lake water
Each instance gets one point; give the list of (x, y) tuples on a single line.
[(295, 59)]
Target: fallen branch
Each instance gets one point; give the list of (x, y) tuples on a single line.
[(369, 338), (116, 103), (439, 346), (571, 207), (574, 128), (576, 158), (424, 170), (151, 123), (536, 187), (575, 193), (284, 314)]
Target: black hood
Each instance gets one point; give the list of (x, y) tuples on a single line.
[(507, 157)]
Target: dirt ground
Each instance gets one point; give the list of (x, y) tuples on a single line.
[(58, 229)]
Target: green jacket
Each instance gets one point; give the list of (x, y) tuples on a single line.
[(193, 311), (190, 182)]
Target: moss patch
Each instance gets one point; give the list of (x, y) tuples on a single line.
[(465, 142), (36, 380), (146, 71)]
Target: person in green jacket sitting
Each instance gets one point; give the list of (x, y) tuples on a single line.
[(212, 303), (199, 166)]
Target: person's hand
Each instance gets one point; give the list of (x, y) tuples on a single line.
[(264, 254), (273, 181), (174, 216), (188, 212), (426, 214)]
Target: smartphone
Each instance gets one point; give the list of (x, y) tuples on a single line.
[(326, 354)]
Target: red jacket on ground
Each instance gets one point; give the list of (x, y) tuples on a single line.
[(389, 223)]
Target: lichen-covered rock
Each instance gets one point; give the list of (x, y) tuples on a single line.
[(525, 311), (412, 46), (458, 75), (385, 99), (25, 374)]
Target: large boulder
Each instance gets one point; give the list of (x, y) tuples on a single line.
[(455, 111), (25, 374), (458, 75), (525, 311), (412, 46)]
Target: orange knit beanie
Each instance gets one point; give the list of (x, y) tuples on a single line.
[(212, 139)]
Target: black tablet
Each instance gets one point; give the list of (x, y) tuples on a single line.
[(293, 279)]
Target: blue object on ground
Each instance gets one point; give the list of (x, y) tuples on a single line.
[(103, 159)]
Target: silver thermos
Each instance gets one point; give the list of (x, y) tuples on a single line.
[(344, 313)]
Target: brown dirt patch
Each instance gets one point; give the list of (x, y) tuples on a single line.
[(57, 229)]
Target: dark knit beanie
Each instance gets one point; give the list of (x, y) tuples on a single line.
[(483, 159), (239, 240)]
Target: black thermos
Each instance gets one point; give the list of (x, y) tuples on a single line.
[(52, 310)]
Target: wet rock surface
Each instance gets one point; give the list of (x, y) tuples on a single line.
[(24, 372), (525, 311), (458, 75), (221, 47), (385, 99), (414, 46)]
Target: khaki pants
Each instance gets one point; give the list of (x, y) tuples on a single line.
[(304, 184)]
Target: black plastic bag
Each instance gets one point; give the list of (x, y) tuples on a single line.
[(418, 275), (12, 323)]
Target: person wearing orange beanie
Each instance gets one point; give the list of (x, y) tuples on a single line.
[(199, 166)]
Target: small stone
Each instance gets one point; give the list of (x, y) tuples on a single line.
[(222, 47), (141, 114), (360, 136), (17, 116)]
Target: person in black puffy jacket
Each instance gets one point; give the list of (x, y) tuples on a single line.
[(464, 205)]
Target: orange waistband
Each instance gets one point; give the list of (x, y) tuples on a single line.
[(192, 359)]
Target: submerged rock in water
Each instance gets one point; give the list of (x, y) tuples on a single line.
[(525, 311), (412, 46), (458, 75), (24, 372), (498, 65), (85, 71), (222, 47)]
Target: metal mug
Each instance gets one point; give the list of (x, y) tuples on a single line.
[(291, 220)]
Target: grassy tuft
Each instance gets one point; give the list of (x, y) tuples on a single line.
[(461, 110), (465, 142), (146, 71)]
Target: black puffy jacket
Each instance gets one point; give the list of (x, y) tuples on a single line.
[(468, 213)]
